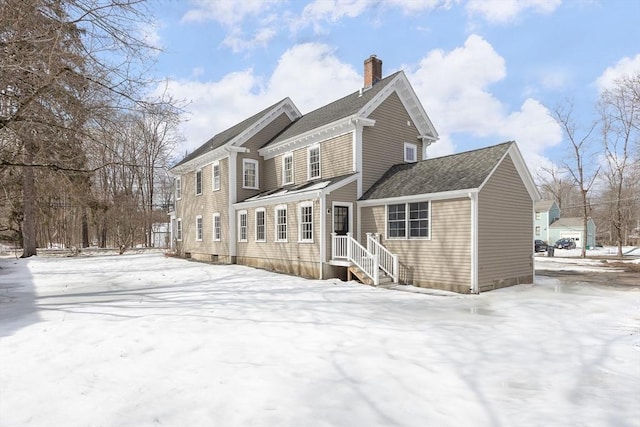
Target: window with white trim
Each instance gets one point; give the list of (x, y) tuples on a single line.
[(215, 176), (242, 226), (313, 157), (410, 152), (199, 228), (179, 229), (261, 223), (198, 182), (281, 223), (408, 220), (305, 222), (537, 230), (217, 228), (250, 174), (538, 216), (178, 188), (287, 169)]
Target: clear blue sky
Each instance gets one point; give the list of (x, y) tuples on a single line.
[(486, 71)]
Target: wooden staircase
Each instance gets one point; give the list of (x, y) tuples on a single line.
[(383, 282)]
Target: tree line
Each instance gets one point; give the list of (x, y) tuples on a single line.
[(600, 176), (84, 147)]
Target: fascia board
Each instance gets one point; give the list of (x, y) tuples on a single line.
[(456, 194)]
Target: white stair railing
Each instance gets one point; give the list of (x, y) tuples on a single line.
[(388, 261), (346, 247)]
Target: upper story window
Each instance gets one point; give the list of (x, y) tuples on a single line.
[(410, 152), (313, 156), (538, 215), (215, 176), (242, 226), (408, 220), (198, 182), (261, 221), (281, 223), (217, 228), (250, 174), (287, 169), (178, 188), (199, 228), (305, 222), (537, 230)]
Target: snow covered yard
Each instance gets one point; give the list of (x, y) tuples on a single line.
[(144, 340)]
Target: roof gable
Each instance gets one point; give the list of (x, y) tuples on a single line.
[(545, 205), (463, 171), (338, 117), (234, 134)]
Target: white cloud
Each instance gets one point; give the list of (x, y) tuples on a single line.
[(237, 43), (505, 11), (319, 12), (454, 88), (227, 12), (310, 74), (623, 68)]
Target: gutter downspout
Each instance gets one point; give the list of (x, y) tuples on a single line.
[(233, 195), (474, 242), (323, 234)]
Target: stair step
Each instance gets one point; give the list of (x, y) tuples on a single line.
[(383, 281)]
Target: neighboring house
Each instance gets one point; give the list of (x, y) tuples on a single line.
[(573, 228), (546, 212), (160, 235), (346, 189)]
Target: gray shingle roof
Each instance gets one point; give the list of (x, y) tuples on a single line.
[(227, 135), (461, 171), (567, 222), (343, 107)]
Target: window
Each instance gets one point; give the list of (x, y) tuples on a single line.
[(305, 222), (199, 228), (414, 217), (410, 151), (250, 174), (419, 219), (537, 230), (287, 169), (281, 223), (216, 227), (260, 225), (179, 229), (396, 221), (314, 162), (537, 215), (198, 182), (242, 226), (178, 188), (215, 174)]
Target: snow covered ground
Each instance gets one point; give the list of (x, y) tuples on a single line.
[(144, 340)]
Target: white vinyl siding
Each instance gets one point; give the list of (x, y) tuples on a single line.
[(250, 174), (217, 227), (261, 224), (305, 222)]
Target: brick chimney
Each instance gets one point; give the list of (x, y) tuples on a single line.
[(372, 71)]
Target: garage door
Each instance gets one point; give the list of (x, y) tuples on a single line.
[(573, 235)]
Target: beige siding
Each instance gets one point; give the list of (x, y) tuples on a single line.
[(291, 256), (383, 144), (505, 221), (205, 204), (253, 144), (442, 262)]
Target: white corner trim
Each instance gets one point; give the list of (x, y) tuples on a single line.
[(474, 242)]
